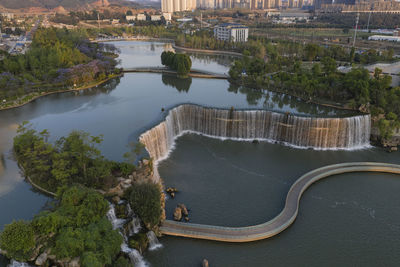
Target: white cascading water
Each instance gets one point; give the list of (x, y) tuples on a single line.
[(153, 241), (15, 263), (116, 223), (134, 226), (302, 132), (134, 255)]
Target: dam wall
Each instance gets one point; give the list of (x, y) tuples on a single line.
[(303, 132)]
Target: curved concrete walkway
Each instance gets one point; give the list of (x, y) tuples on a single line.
[(284, 219)]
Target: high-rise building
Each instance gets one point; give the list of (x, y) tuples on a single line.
[(267, 4), (170, 6)]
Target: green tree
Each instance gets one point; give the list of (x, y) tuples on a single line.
[(145, 200), (18, 239)]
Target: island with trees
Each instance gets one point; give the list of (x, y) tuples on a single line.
[(181, 63), (78, 228)]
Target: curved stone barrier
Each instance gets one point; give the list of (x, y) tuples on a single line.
[(281, 221)]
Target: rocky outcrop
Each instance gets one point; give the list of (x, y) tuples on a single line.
[(41, 259), (178, 214), (172, 191), (184, 209), (181, 212)]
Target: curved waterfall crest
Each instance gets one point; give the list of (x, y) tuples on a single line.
[(248, 125)]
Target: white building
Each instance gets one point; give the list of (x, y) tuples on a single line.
[(131, 18), (155, 17), (167, 16), (231, 32), (384, 38), (141, 17), (8, 16)]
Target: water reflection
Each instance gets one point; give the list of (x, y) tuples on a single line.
[(206, 59), (182, 85)]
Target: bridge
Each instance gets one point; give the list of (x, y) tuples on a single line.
[(193, 72), (282, 220)]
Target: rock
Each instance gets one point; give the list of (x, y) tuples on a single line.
[(145, 162), (172, 194), (393, 148), (116, 199), (41, 259), (184, 209), (74, 262), (255, 141), (162, 109), (205, 263), (187, 218), (178, 214)]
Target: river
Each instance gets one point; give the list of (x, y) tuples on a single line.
[(348, 220)]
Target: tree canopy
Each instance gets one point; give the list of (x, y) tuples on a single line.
[(179, 62)]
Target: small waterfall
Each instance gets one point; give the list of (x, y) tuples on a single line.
[(153, 241), (129, 209), (15, 263), (116, 223), (134, 255), (134, 226)]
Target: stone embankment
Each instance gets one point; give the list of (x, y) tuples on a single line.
[(281, 221)]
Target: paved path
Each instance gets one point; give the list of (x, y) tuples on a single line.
[(281, 221)]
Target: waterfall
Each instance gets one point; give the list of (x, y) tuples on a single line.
[(153, 241), (302, 132), (134, 226), (116, 223), (15, 263), (134, 255)]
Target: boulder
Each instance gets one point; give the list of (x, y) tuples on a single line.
[(184, 209), (41, 259), (116, 199), (205, 263), (178, 214), (172, 194), (74, 262), (186, 219)]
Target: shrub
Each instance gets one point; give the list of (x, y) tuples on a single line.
[(145, 200)]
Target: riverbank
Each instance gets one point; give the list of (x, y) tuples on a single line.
[(31, 97)]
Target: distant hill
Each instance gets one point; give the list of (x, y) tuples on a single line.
[(50, 4)]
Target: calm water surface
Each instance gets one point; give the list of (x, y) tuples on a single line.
[(348, 220)]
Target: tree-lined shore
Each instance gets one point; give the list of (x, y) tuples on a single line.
[(58, 60)]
